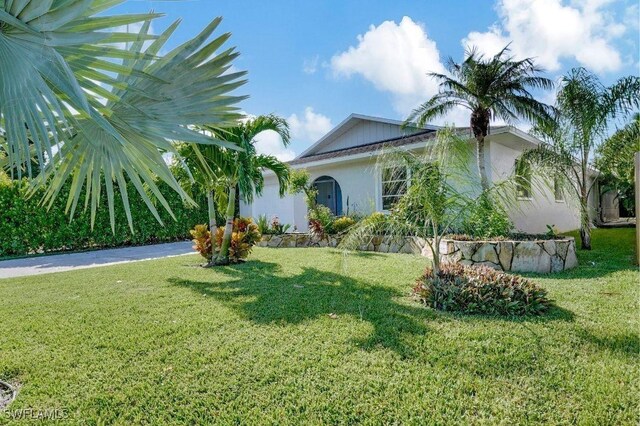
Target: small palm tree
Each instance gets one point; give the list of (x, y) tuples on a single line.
[(238, 169), (585, 109), (615, 162), (492, 88), (443, 190)]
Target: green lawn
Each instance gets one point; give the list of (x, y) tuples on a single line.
[(168, 342)]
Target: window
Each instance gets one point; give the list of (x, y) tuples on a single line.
[(394, 185), (523, 180), (558, 189)]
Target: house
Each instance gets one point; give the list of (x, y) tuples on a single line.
[(342, 165)]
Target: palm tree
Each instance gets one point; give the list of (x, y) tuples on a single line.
[(442, 192), (238, 169), (585, 110), (492, 88), (97, 104), (615, 162)]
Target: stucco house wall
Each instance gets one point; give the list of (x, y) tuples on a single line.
[(534, 214), (360, 182)]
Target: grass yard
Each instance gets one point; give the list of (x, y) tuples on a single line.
[(299, 336)]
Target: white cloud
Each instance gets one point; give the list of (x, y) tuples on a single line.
[(310, 127), (395, 58), (270, 143), (551, 31), (310, 65), (305, 129)]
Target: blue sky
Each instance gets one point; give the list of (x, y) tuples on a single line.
[(315, 62)]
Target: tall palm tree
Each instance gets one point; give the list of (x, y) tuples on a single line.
[(238, 169), (95, 103), (585, 111), (497, 87)]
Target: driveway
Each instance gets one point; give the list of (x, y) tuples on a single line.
[(92, 259)]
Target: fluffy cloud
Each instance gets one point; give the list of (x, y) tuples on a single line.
[(551, 31), (269, 142), (395, 58), (310, 127), (305, 129)]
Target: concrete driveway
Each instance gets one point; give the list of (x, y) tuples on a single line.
[(92, 259)]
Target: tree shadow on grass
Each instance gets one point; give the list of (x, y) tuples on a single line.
[(627, 343), (260, 294)]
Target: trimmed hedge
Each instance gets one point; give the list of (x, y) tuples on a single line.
[(26, 227)]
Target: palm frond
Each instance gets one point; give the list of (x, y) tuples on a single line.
[(187, 87)]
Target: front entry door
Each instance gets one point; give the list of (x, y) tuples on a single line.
[(326, 194)]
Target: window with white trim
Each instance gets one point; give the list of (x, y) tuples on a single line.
[(394, 185)]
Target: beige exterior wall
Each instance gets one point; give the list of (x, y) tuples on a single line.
[(361, 187), (534, 214)]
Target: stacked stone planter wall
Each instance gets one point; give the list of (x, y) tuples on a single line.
[(385, 244), (542, 256)]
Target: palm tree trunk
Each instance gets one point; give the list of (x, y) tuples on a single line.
[(480, 128), (585, 225), (223, 257), (484, 182), (212, 219), (436, 250)]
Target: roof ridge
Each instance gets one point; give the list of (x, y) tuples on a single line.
[(397, 138)]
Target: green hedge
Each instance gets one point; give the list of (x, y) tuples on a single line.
[(26, 227)]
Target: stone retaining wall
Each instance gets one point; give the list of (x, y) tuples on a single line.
[(385, 244), (542, 256)]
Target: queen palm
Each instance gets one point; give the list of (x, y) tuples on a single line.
[(109, 102), (585, 111), (497, 87), (224, 172)]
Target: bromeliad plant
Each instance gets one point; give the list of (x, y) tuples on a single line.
[(93, 103), (480, 290)]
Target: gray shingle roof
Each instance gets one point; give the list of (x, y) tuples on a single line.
[(369, 147)]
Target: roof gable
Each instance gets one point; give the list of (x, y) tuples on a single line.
[(358, 130)]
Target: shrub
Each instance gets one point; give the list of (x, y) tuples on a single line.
[(274, 227), (341, 224), (277, 227), (263, 224), (245, 236), (480, 290), (486, 219), (320, 221), (202, 241), (27, 227)]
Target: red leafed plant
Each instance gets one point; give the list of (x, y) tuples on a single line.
[(245, 235), (480, 290), (202, 241)]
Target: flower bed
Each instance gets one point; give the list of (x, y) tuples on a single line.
[(537, 255)]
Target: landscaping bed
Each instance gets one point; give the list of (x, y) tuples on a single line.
[(527, 254)]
